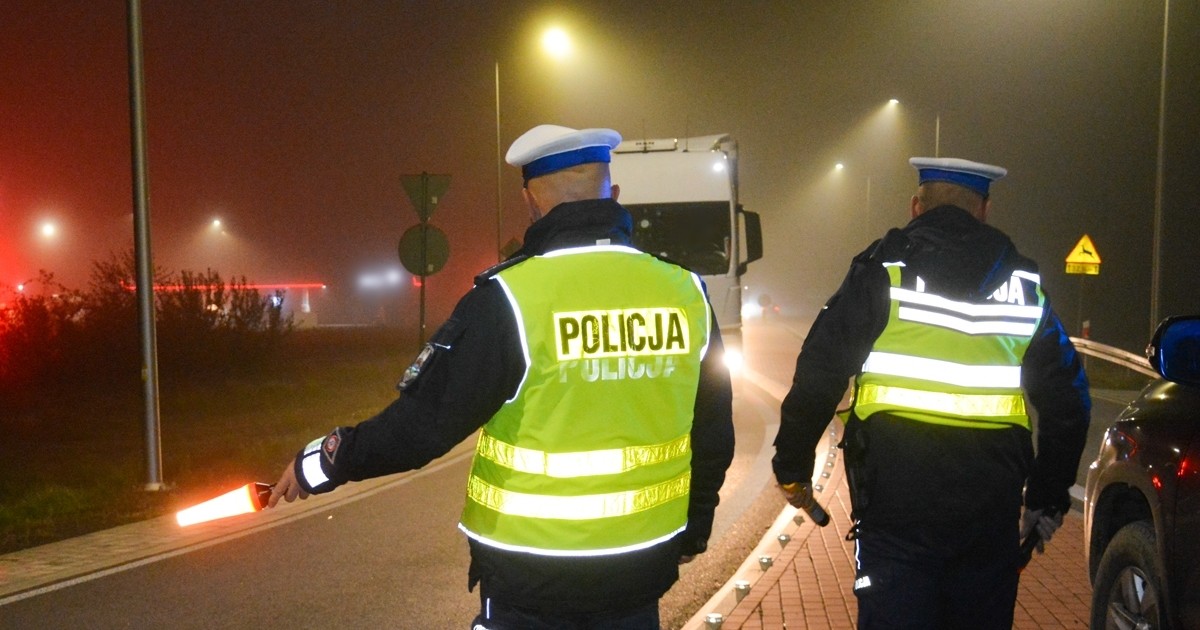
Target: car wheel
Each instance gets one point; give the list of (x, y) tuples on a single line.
[(1127, 594)]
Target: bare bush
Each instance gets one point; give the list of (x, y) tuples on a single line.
[(55, 338)]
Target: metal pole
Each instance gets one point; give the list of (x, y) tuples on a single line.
[(937, 136), (499, 171), (141, 228), (424, 250), (867, 221), (1156, 247)]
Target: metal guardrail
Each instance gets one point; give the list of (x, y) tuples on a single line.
[(1114, 355)]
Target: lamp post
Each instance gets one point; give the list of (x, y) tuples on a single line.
[(937, 129), (1156, 245), (556, 43), (867, 218), (499, 172), (838, 168), (937, 135), (145, 276)]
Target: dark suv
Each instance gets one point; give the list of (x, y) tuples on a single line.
[(1142, 509)]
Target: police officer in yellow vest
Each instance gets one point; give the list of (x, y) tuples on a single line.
[(947, 331), (593, 374)]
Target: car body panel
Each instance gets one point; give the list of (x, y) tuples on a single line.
[(1186, 554), (1148, 468)]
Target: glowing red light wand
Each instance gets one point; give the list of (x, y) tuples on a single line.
[(251, 497)]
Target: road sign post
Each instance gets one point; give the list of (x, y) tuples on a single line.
[(1084, 260), (425, 191)]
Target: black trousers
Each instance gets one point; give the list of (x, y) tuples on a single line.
[(498, 615), (908, 581)]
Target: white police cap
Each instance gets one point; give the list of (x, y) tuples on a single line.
[(965, 173), (548, 148)]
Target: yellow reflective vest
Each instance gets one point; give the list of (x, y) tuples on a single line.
[(592, 456), (949, 361)]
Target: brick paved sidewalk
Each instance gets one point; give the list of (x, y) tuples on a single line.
[(808, 582)]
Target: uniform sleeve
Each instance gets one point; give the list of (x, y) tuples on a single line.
[(1057, 387), (836, 347), (472, 364), (712, 444)]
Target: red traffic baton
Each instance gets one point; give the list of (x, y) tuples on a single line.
[(251, 497)]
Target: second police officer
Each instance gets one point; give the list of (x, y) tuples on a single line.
[(944, 326)]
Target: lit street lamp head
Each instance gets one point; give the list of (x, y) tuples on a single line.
[(556, 43)]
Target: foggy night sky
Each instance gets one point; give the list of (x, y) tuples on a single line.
[(293, 121)]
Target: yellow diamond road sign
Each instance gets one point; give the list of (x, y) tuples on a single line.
[(1084, 259)]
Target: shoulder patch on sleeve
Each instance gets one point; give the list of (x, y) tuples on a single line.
[(414, 370), (442, 341)]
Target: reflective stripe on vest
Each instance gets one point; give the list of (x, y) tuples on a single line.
[(943, 371), (592, 455), (949, 361), (973, 319), (576, 508), (973, 405), (580, 464)]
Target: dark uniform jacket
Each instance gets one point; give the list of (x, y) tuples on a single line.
[(934, 481), (476, 365)]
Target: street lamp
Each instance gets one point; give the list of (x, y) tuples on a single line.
[(1156, 245), (839, 167), (499, 172), (937, 129), (557, 44)]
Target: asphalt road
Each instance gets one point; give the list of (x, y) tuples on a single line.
[(393, 557)]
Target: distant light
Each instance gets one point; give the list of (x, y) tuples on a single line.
[(249, 286), (556, 43), (380, 279), (216, 223), (49, 230), (733, 361), (21, 287), (894, 101), (718, 167), (839, 166)]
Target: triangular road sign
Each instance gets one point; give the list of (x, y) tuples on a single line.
[(425, 191), (1084, 252)]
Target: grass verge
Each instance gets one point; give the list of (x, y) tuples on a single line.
[(77, 463)]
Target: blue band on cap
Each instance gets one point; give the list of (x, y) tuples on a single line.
[(976, 183), (559, 161)]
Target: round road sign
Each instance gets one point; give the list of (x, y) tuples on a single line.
[(423, 243)]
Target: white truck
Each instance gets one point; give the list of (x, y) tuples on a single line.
[(683, 195)]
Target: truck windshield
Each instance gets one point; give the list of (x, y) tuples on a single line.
[(692, 234)]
